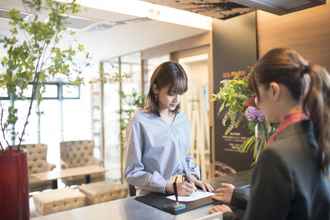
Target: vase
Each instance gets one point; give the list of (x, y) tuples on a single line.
[(14, 192)]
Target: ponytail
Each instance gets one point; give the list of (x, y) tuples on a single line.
[(317, 104), (309, 84)]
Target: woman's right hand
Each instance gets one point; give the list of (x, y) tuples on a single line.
[(184, 188), (224, 193)]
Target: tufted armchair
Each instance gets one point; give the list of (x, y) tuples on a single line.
[(37, 163), (77, 154)]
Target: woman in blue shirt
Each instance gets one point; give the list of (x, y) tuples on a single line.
[(158, 137)]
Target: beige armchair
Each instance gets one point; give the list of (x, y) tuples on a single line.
[(77, 154), (37, 163)]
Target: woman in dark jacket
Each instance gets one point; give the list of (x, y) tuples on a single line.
[(291, 178)]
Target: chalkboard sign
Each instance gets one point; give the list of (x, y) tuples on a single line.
[(234, 49)]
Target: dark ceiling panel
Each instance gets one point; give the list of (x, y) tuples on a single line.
[(281, 7), (221, 9), (224, 9)]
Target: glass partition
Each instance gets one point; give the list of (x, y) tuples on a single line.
[(123, 80)]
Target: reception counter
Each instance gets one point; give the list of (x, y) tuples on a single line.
[(124, 209), (130, 209)]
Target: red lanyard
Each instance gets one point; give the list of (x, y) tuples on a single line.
[(295, 116)]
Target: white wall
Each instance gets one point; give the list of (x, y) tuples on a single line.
[(134, 37)]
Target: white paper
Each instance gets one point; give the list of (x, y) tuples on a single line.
[(193, 197)]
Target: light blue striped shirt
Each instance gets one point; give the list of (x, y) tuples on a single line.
[(157, 150)]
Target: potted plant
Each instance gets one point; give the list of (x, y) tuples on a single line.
[(31, 57), (237, 103)]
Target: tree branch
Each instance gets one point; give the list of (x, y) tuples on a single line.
[(3, 129), (35, 83), (54, 44)]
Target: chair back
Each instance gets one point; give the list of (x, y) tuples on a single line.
[(36, 157), (77, 153)]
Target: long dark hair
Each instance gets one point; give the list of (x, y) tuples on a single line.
[(166, 74), (307, 83)]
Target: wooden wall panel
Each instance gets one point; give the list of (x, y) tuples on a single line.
[(306, 31)]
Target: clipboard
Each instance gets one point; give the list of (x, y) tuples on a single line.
[(159, 201)]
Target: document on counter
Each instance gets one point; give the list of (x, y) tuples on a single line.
[(193, 197)]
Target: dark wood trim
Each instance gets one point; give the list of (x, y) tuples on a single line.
[(257, 35)]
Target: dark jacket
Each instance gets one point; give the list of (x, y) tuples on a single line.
[(240, 197), (287, 182), (238, 203)]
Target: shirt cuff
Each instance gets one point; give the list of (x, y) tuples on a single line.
[(157, 182)]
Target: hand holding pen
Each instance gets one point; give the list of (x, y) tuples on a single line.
[(178, 206), (183, 188)]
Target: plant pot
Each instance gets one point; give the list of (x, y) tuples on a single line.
[(14, 193)]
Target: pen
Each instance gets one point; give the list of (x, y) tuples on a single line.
[(175, 190), (178, 206)]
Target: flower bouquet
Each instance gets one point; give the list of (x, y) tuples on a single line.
[(259, 129), (238, 105)]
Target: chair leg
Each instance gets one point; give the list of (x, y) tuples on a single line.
[(131, 190), (54, 184), (88, 178)]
